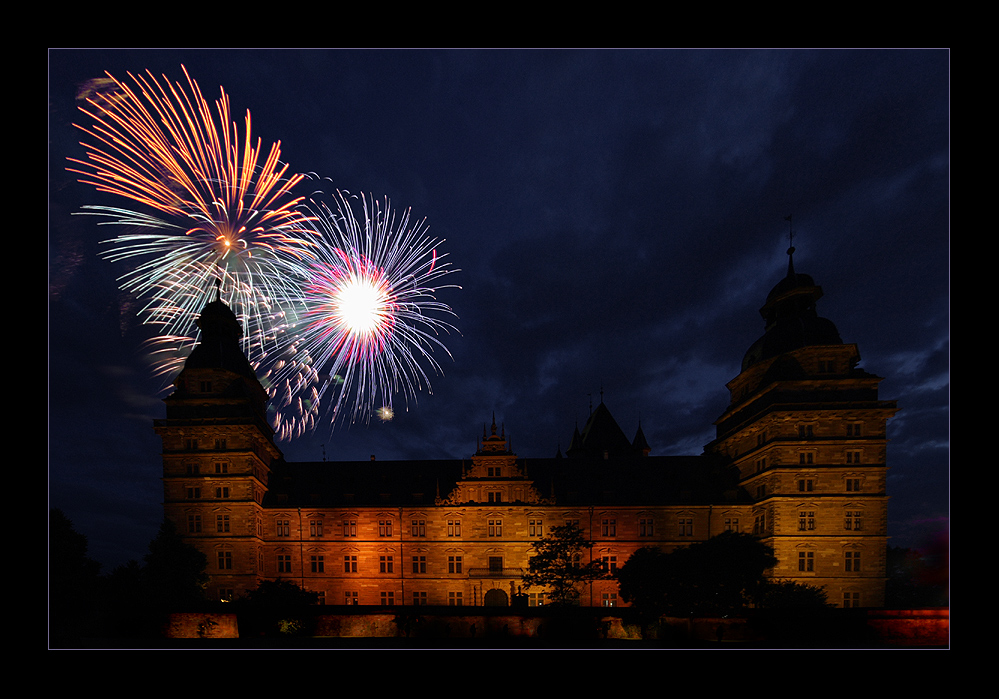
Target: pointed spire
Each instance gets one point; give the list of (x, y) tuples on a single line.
[(790, 248)]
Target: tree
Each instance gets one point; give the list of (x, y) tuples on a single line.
[(790, 595), (174, 574), (717, 576), (73, 579), (556, 565)]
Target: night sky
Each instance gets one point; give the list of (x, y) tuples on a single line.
[(617, 217)]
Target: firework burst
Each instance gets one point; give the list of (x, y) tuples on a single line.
[(209, 207), (370, 319)]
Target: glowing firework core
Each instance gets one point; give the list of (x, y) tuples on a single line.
[(362, 304)]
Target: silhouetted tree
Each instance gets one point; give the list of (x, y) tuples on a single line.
[(174, 575), (73, 579), (280, 594), (556, 564), (716, 576), (790, 595)]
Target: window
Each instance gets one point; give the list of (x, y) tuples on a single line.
[(222, 492), (388, 598), (572, 523), (419, 564), (225, 560), (222, 524), (284, 563), (805, 431), (315, 527), (419, 527), (350, 598), (194, 524), (685, 526), (419, 599), (608, 564), (495, 527), (385, 564), (193, 469), (536, 599), (495, 564), (608, 599), (350, 527), (853, 429), (385, 527), (220, 443), (494, 471), (535, 528), (851, 599), (806, 521), (454, 564), (827, 366), (608, 527), (454, 599), (646, 527), (761, 438), (731, 524), (350, 564), (221, 467), (853, 456), (495, 497), (853, 485), (761, 491), (194, 493), (317, 563), (760, 523), (454, 527), (761, 464), (806, 457), (805, 485), (284, 527), (853, 520), (806, 561), (852, 563), (191, 444)]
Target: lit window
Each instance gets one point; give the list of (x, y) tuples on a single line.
[(806, 561), (419, 527), (685, 526), (350, 598), (536, 599), (454, 527), (646, 527), (284, 527), (608, 599), (535, 528), (852, 563), (315, 527), (225, 560), (350, 527), (385, 527), (495, 527)]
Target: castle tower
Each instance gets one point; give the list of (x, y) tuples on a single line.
[(807, 432), (217, 453)]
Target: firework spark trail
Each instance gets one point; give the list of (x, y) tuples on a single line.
[(215, 210), (370, 320)]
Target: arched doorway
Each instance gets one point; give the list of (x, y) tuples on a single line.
[(495, 598)]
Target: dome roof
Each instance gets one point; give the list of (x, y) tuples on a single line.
[(791, 319)]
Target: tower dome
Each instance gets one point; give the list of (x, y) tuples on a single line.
[(791, 319)]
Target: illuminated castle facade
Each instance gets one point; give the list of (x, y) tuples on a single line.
[(799, 459)]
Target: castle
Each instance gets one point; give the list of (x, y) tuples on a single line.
[(799, 459)]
